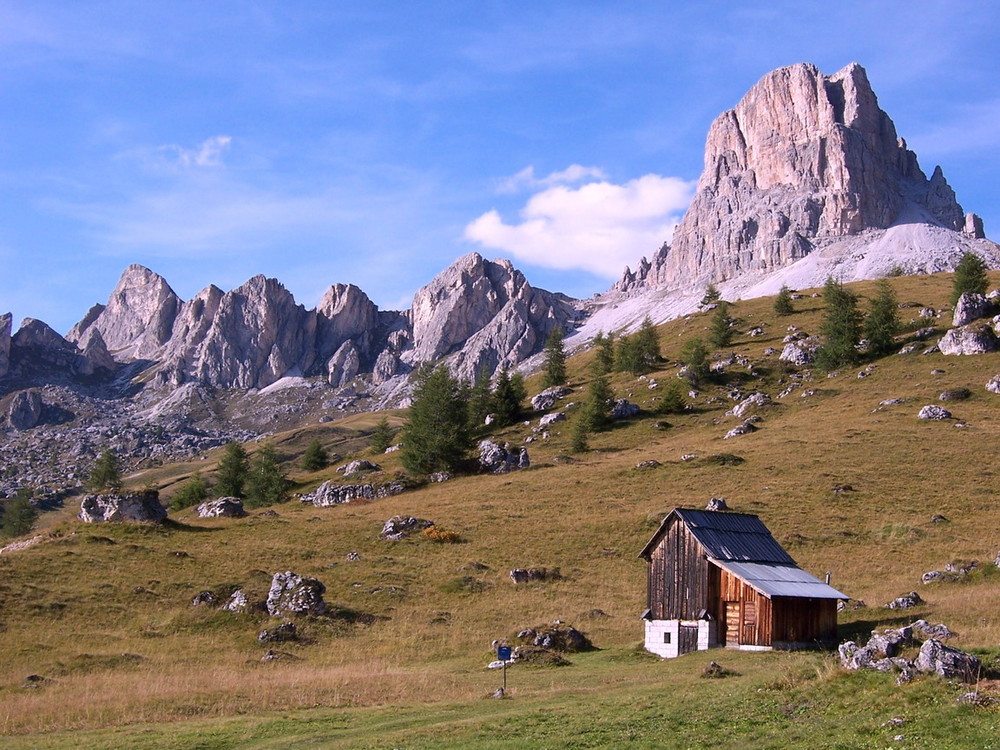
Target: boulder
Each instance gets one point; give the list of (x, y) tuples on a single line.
[(523, 575), (623, 409), (330, 493), (223, 507), (283, 633), (907, 601), (931, 411), (993, 386), (947, 661), (25, 410), (744, 429), (717, 503), (499, 459), (115, 508), (972, 339), (547, 399), (357, 467), (558, 636), (552, 418), (752, 402), (398, 527), (970, 307), (292, 594), (797, 354)]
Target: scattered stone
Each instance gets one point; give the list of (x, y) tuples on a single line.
[(717, 503), (116, 508), (947, 661), (933, 412), (34, 681), (223, 507), (238, 602), (624, 409), (498, 693), (907, 601), (272, 655), (439, 476), (938, 518), (547, 398), (751, 403), (797, 354), (976, 338), (850, 604), (839, 489), (926, 313), (398, 527), (358, 467), (283, 633), (716, 671), (558, 636), (892, 402), (925, 630), (205, 598), (755, 331), (330, 493), (556, 416), (353, 557), (497, 459), (292, 594), (993, 386), (970, 307), (955, 394), (689, 457), (909, 348), (743, 429), (922, 334), (524, 575)]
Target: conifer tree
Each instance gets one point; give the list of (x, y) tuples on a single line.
[(506, 399), (783, 302), (105, 476), (231, 475), (694, 356), (970, 276), (19, 514), (712, 295), (648, 341), (266, 482), (673, 401), (382, 436), (720, 332), (578, 438), (882, 323), (840, 329), (315, 456), (628, 356), (192, 492), (596, 410), (604, 353), (554, 369), (480, 397), (436, 434)]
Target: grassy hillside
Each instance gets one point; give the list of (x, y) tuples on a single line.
[(104, 612)]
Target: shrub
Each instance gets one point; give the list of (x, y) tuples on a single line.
[(970, 276), (442, 536), (783, 302), (192, 492), (315, 457)]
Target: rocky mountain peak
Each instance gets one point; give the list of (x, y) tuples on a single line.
[(801, 160), (5, 324)]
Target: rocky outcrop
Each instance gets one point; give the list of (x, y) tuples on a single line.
[(292, 594), (975, 338), (222, 507), (329, 493), (115, 508), (499, 459), (485, 314), (5, 327), (970, 307), (25, 410), (398, 527), (801, 160)]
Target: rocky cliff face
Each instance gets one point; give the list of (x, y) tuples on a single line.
[(5, 323), (802, 160)]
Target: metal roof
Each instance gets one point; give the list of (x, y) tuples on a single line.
[(781, 580), (727, 536)]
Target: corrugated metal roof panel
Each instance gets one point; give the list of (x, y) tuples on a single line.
[(734, 536), (781, 580)]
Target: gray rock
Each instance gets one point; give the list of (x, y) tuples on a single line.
[(292, 594), (223, 507), (524, 575), (946, 661), (344, 365), (398, 527), (552, 418), (357, 467), (744, 429), (238, 602), (972, 339), (993, 386), (283, 633), (753, 402), (116, 508), (439, 476), (6, 321), (717, 503), (932, 411), (970, 307), (499, 459), (907, 601), (797, 354), (623, 409), (25, 410), (547, 399), (330, 493), (648, 464)]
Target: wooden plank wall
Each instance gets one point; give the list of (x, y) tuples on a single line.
[(755, 620), (805, 620), (678, 580)]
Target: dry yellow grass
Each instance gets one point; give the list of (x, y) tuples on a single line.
[(105, 591)]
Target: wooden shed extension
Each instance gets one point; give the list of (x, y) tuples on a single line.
[(721, 578)]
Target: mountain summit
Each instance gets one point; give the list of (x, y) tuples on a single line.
[(803, 160)]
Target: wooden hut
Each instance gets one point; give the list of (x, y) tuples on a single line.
[(721, 579)]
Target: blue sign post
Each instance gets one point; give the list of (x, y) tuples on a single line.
[(503, 655)]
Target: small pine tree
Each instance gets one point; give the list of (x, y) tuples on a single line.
[(192, 492), (231, 475), (436, 434), (694, 356), (970, 276), (783, 302), (19, 514), (628, 356), (267, 482), (554, 369), (673, 401), (578, 438), (105, 476), (712, 295), (315, 456), (720, 332), (840, 329), (506, 400), (648, 341), (882, 323), (596, 410), (604, 353), (382, 436), (480, 397)]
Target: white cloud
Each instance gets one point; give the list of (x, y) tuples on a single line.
[(526, 180), (207, 154), (599, 227)]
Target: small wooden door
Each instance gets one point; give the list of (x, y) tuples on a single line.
[(732, 623), (688, 639)]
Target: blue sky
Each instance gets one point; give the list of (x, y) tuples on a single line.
[(375, 142)]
